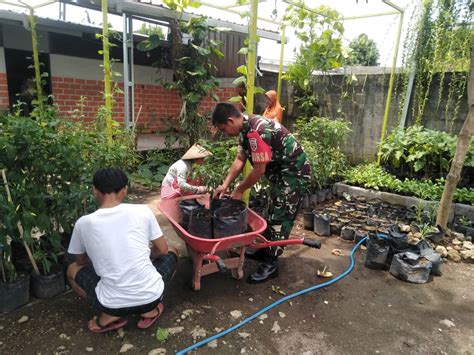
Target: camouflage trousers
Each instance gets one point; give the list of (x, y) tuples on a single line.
[(286, 192)]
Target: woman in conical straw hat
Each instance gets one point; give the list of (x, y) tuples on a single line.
[(175, 183)]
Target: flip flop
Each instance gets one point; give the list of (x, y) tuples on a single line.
[(119, 323), (147, 322)]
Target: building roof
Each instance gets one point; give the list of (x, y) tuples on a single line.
[(159, 12)]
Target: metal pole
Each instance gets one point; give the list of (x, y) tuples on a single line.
[(390, 86), (128, 74), (370, 15), (406, 103), (282, 55), (251, 60), (126, 87), (62, 11), (131, 63)]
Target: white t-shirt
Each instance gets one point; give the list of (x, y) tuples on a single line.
[(117, 241)]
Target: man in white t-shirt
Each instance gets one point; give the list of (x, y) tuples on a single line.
[(115, 268)]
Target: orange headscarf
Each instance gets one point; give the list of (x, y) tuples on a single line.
[(274, 110)]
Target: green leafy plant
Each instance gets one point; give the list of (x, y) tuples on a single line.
[(153, 167), (320, 32), (49, 164), (371, 176), (464, 221), (216, 166), (322, 138), (363, 51), (417, 150), (193, 69)]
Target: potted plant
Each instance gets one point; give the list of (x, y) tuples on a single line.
[(14, 287), (49, 281)]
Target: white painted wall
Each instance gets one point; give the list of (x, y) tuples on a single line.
[(90, 69)]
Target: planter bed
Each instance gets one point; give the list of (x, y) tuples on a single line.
[(457, 210)]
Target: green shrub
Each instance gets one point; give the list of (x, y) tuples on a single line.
[(375, 177), (49, 165), (321, 139), (417, 150), (215, 167), (153, 167)]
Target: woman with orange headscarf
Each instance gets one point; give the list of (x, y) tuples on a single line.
[(274, 109)]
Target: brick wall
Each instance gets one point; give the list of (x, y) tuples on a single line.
[(159, 106), (3, 92)]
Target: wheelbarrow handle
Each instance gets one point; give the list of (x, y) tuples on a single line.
[(312, 243), (221, 266), (219, 262), (279, 243)]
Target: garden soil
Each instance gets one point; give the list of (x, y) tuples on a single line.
[(368, 312)]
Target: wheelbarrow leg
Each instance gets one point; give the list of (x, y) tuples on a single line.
[(197, 259), (238, 272)]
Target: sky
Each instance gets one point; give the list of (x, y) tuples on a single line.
[(382, 29)]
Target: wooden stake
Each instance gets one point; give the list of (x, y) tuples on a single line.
[(20, 227)]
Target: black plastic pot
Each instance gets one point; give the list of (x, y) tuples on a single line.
[(230, 218), (321, 195), (47, 286), (308, 220), (328, 194), (306, 201), (15, 294), (188, 208), (200, 224), (378, 253), (347, 233), (322, 225), (335, 228)]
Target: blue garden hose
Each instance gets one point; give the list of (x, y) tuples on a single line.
[(276, 303)]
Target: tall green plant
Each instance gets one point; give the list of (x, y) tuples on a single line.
[(193, 68), (320, 31), (322, 138)]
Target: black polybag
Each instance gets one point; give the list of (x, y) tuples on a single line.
[(378, 253), (411, 267)]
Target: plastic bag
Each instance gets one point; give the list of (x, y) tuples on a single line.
[(411, 267), (378, 253), (229, 218), (188, 208)]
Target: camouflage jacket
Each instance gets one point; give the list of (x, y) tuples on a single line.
[(265, 141)]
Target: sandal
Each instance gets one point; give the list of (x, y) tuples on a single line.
[(147, 322), (119, 323)]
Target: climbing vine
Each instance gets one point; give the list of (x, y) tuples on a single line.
[(192, 65), (439, 45)]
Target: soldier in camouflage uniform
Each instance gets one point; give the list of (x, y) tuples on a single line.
[(274, 152)]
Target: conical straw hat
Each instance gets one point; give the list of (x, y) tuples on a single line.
[(196, 152)]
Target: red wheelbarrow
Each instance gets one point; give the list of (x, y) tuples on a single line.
[(201, 249)]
